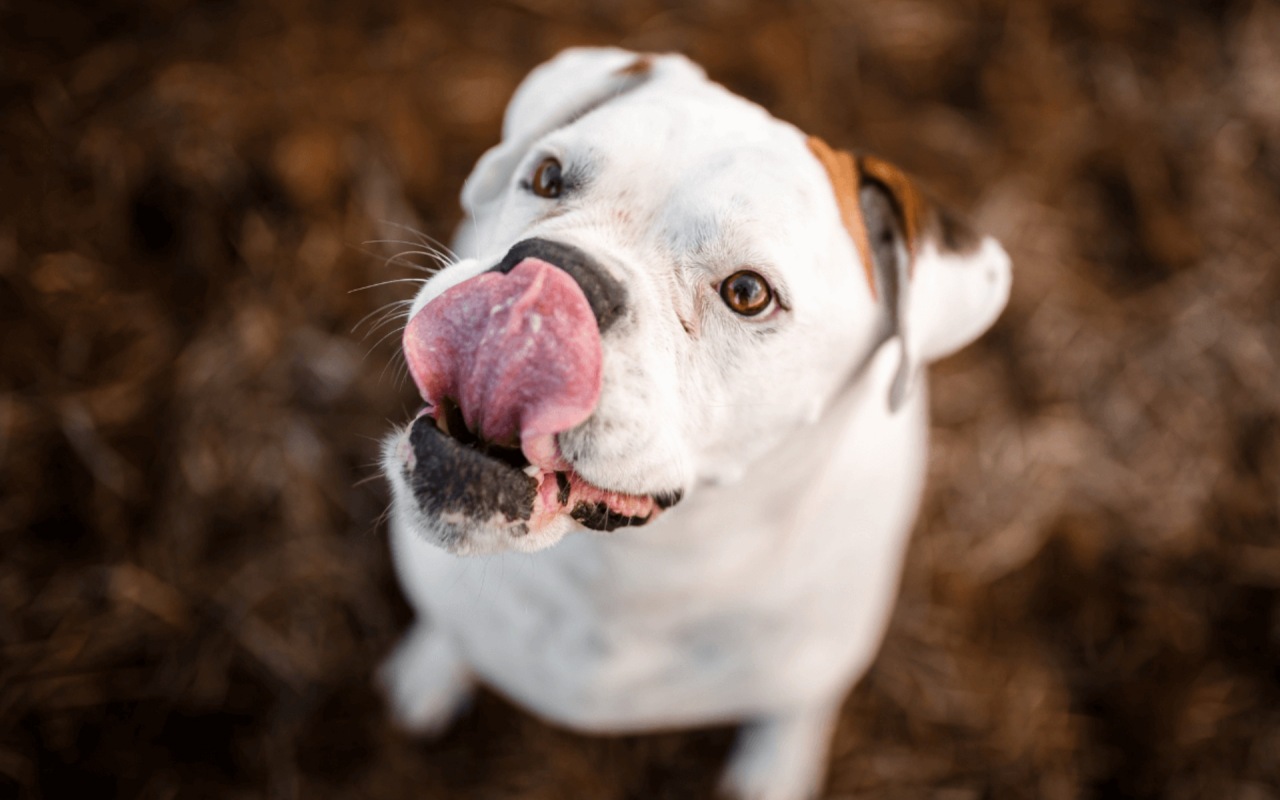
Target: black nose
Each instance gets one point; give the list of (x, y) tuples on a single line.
[(608, 297)]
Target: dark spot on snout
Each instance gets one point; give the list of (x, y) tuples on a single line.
[(606, 295)]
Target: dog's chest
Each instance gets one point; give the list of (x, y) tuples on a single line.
[(580, 641)]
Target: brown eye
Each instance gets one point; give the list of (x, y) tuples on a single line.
[(547, 180), (746, 293)]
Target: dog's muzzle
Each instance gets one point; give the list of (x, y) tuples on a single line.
[(506, 361)]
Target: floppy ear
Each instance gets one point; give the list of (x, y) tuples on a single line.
[(553, 95), (941, 284)]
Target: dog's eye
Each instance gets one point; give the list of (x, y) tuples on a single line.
[(746, 293), (547, 179)]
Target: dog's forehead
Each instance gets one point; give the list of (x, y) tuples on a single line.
[(688, 126), (705, 155)]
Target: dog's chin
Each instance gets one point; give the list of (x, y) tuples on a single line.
[(470, 497), (463, 536)]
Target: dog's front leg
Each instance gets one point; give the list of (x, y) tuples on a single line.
[(781, 757), (426, 681)]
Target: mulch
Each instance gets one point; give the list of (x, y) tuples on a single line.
[(194, 579)]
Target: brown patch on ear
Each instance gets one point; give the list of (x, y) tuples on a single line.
[(918, 215), (842, 169), (641, 66), (913, 209)]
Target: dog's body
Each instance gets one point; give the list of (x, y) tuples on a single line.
[(796, 433)]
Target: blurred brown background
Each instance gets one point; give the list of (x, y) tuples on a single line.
[(194, 586)]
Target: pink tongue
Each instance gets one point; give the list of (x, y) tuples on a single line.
[(519, 353)]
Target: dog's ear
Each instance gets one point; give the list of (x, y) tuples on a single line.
[(553, 95), (940, 283)]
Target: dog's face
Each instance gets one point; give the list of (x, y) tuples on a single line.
[(660, 283)]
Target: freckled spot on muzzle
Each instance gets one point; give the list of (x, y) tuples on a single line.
[(450, 478)]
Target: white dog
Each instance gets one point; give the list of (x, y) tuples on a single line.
[(689, 327)]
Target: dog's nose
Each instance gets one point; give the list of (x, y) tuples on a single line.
[(606, 295)]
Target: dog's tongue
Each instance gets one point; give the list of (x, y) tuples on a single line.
[(519, 353)]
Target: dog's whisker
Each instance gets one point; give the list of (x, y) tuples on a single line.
[(376, 476), (384, 516), (402, 259), (388, 260), (399, 310), (395, 241), (417, 233), (382, 309), (427, 249), (397, 374), (386, 283), (425, 239), (390, 316), (388, 335), (389, 319), (382, 373), (396, 358)]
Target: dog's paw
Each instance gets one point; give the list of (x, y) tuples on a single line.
[(425, 681), (781, 758)]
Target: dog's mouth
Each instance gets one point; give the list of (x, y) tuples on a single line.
[(453, 471), (505, 363)]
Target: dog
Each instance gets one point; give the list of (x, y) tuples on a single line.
[(694, 337)]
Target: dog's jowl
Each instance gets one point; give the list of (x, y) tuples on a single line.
[(676, 383)]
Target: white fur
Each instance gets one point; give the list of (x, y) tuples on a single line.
[(763, 596)]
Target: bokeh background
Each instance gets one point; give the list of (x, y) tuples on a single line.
[(194, 582)]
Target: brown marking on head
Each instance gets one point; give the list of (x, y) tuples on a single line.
[(625, 80), (641, 66), (842, 169)]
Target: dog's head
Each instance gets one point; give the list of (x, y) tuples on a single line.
[(660, 282)]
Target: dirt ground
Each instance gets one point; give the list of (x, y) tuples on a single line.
[(195, 588)]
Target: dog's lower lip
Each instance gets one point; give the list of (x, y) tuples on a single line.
[(557, 491), (448, 477)]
